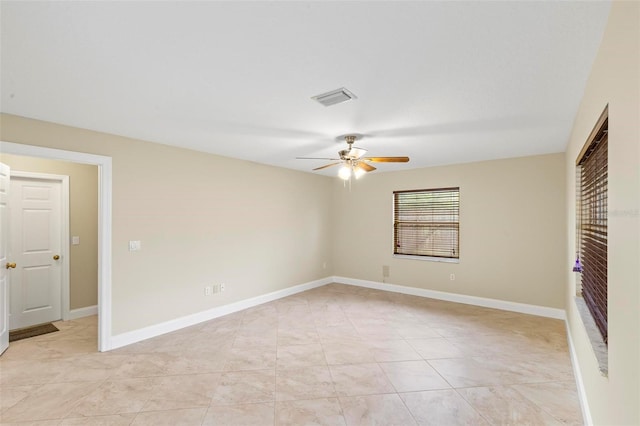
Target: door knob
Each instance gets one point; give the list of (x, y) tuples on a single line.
[(10, 265), (56, 257)]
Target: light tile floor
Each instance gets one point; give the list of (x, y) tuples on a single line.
[(335, 355)]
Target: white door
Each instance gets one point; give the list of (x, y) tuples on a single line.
[(4, 263), (36, 225)]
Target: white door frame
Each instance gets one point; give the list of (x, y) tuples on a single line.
[(5, 193), (104, 223), (64, 231)]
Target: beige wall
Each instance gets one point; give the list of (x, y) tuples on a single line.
[(614, 79), (83, 222), (202, 220), (512, 230)]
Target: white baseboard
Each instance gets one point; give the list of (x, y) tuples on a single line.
[(134, 336), (504, 305), (83, 312), (582, 394)]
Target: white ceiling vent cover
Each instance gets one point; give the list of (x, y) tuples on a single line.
[(335, 97)]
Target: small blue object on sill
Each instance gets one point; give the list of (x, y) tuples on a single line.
[(577, 267)]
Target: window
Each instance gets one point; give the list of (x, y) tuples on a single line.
[(591, 209), (425, 222)]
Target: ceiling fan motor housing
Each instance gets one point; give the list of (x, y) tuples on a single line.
[(344, 154)]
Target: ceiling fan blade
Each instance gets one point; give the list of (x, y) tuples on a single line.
[(387, 159), (317, 158), (366, 167), (327, 165), (356, 152)]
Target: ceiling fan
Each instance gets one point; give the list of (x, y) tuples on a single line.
[(352, 160)]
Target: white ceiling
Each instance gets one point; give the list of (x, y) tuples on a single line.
[(441, 82)]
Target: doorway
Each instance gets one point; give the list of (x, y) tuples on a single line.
[(104, 223)]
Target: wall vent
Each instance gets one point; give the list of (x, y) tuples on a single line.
[(335, 97)]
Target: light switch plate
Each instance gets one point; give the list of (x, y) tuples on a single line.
[(135, 245), (75, 241)]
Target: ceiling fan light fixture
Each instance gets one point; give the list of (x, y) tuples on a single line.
[(345, 172), (358, 172)]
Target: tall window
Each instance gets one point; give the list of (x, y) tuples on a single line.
[(426, 222), (591, 195)]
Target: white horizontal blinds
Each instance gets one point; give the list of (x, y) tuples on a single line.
[(593, 167), (426, 222)]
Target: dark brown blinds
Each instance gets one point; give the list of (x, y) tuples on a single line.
[(592, 168), (426, 222)]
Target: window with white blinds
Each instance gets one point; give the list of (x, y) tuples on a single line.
[(426, 223)]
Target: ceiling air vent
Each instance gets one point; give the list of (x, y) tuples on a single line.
[(335, 97)]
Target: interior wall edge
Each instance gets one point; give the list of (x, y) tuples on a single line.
[(577, 372)]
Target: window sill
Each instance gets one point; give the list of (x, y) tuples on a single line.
[(600, 349), (427, 258)]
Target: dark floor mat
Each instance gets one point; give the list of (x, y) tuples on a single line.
[(36, 330)]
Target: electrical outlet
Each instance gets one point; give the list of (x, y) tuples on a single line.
[(208, 290), (452, 277), (385, 271)]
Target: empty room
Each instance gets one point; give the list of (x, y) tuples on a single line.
[(326, 212)]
